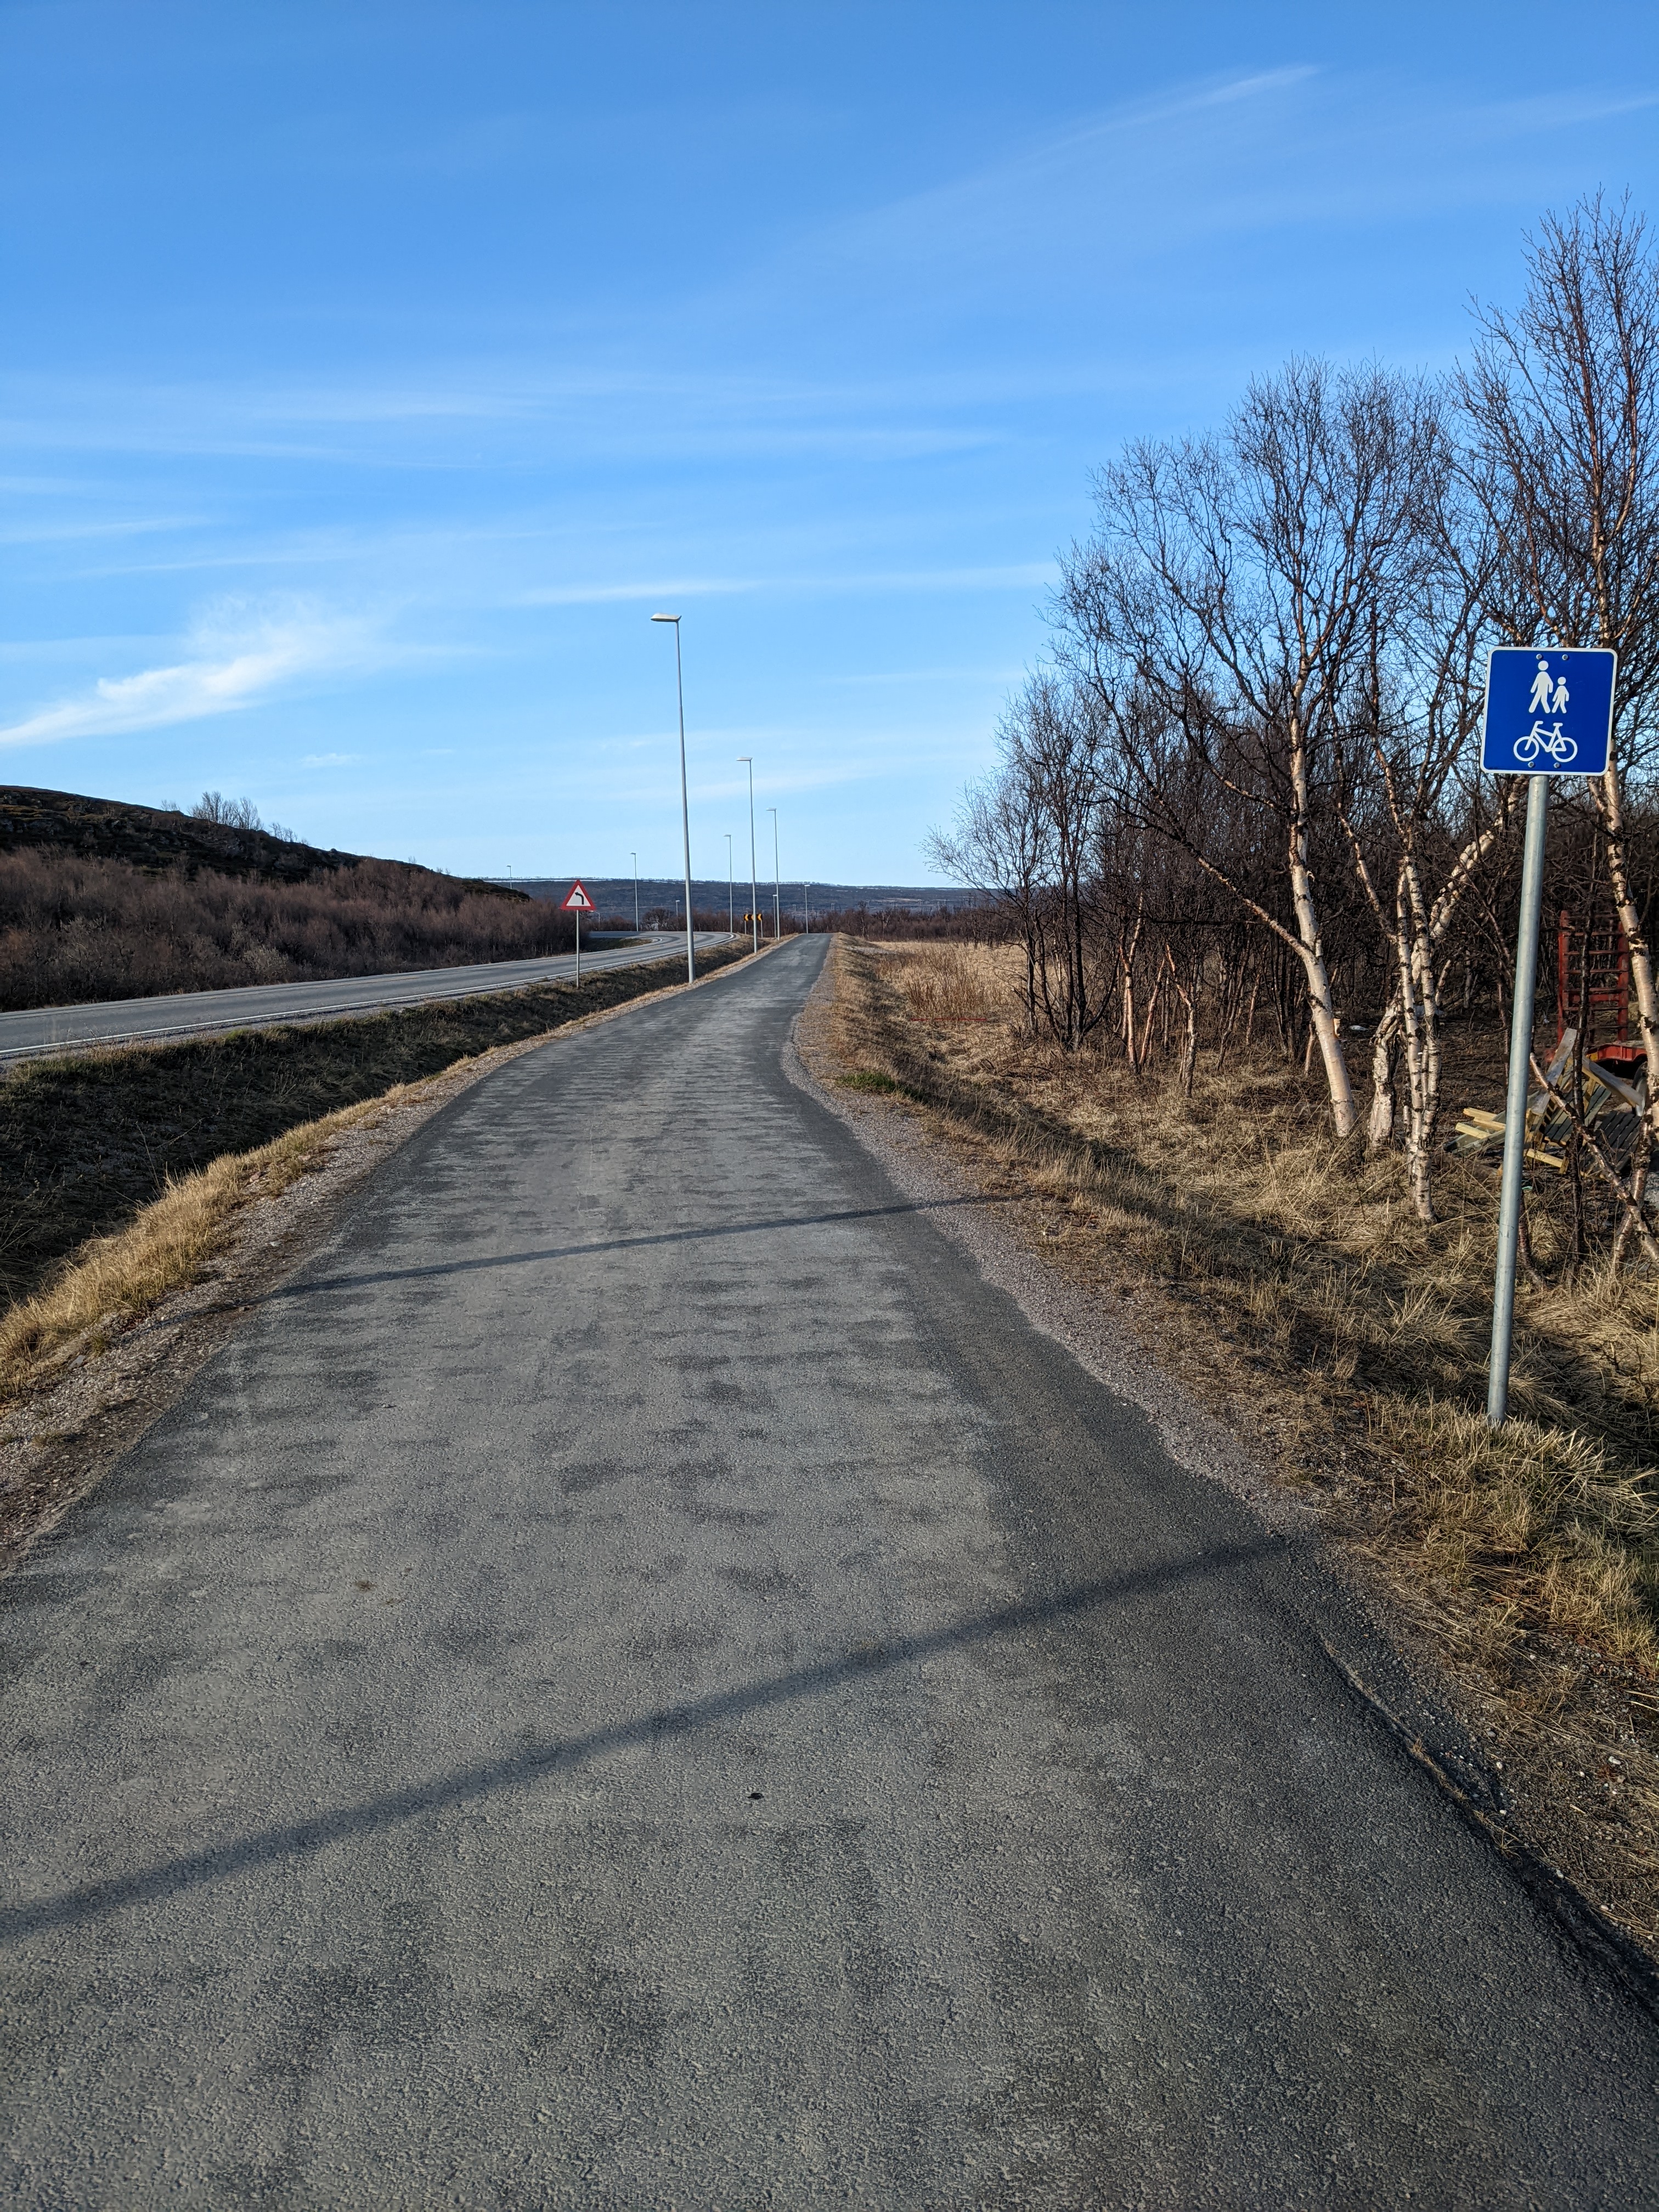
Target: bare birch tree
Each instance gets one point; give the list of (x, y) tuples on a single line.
[(1233, 579), (1562, 408), (1000, 846), (1028, 836), (1404, 751)]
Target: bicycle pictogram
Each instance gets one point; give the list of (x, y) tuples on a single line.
[(1534, 695), (1553, 743)]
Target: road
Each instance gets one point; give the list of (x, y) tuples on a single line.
[(34, 1032), (639, 1680)]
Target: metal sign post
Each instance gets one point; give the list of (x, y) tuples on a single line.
[(685, 803), (1547, 713), (578, 904)]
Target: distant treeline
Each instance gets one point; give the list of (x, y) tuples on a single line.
[(73, 928), (978, 925)]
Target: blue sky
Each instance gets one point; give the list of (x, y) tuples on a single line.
[(374, 372)]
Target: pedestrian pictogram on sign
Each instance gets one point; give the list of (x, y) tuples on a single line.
[(1549, 710)]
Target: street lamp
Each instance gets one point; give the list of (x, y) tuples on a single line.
[(777, 922), (685, 804), (806, 905), (731, 891), (635, 858), (754, 892)]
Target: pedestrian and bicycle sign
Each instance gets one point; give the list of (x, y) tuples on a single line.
[(1549, 710)]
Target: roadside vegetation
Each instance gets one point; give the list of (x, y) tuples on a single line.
[(951, 918), (1241, 998), (99, 901), (1282, 1275), (1243, 791), (114, 1280)]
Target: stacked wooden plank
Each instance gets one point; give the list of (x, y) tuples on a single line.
[(1607, 1093)]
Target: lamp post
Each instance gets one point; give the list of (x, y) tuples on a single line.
[(806, 905), (754, 887), (731, 891), (777, 920), (685, 804), (635, 858)]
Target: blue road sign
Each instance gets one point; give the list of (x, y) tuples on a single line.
[(1549, 711)]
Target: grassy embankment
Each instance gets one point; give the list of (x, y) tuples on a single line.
[(1285, 1278), (122, 1171), (102, 900)]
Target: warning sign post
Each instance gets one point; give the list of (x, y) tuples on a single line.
[(578, 902)]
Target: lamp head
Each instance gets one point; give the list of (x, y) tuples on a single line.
[(674, 619)]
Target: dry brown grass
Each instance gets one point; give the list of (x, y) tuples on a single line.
[(1287, 1280), (950, 983), (1307, 1258), (115, 1279)]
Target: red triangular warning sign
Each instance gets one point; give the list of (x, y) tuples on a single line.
[(578, 902)]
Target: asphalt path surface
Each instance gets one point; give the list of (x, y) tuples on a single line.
[(34, 1032), (638, 1679)]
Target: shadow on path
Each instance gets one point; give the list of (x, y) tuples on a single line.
[(305, 1289), (467, 1785)]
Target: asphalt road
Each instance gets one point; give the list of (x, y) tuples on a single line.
[(34, 1032), (638, 1680)]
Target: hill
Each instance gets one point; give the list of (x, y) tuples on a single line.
[(236, 843), (100, 899), (663, 896)]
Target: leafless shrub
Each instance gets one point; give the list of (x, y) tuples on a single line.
[(74, 930), (229, 813), (1245, 788)]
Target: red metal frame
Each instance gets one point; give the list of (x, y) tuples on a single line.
[(1608, 975)]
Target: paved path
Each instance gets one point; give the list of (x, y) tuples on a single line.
[(638, 1680), (34, 1032)]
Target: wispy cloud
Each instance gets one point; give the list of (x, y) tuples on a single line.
[(1018, 576), (73, 531), (1104, 198), (237, 656), (1021, 576), (611, 412), (595, 595), (80, 650), (977, 676), (330, 760), (1078, 182)]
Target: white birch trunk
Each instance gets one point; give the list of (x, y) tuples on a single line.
[(1312, 948)]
